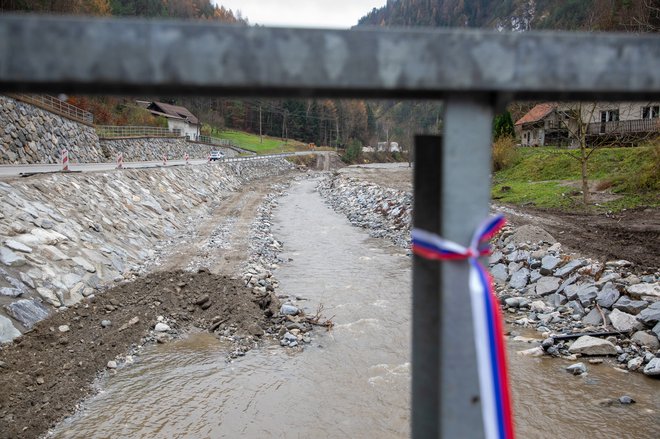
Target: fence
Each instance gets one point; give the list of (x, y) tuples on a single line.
[(55, 105), (477, 72), (216, 141), (109, 132), (625, 126)]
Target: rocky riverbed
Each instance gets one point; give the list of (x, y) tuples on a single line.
[(67, 237), (47, 370), (578, 306)]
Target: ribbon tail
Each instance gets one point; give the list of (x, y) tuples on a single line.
[(491, 355)]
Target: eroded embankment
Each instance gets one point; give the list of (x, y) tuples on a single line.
[(47, 371), (68, 236), (562, 295)]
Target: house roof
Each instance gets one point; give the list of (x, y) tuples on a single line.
[(537, 113), (174, 111)]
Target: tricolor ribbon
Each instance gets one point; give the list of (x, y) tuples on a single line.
[(487, 322)]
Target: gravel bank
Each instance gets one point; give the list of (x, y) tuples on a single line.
[(579, 306)]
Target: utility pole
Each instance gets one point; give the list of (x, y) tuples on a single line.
[(286, 128), (261, 137)]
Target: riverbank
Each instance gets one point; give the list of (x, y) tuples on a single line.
[(543, 285), (216, 229), (46, 372)]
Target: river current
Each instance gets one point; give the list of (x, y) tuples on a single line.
[(350, 382)]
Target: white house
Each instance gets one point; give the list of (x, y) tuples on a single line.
[(179, 119), (556, 123), (393, 147)]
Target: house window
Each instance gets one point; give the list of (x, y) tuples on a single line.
[(609, 115), (651, 112)]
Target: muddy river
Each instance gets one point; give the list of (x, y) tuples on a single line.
[(351, 382)]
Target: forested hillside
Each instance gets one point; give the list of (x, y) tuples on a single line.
[(590, 15), (344, 122), (189, 9)]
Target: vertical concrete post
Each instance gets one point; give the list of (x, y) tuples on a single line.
[(452, 195)]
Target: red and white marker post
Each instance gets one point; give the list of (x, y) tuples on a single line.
[(120, 161), (65, 160), (186, 157), (209, 159), (164, 159)]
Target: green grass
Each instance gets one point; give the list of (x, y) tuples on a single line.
[(543, 194), (543, 177), (252, 142)]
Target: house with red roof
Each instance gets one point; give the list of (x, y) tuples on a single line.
[(557, 124)]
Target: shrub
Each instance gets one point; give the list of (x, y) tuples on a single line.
[(504, 153), (353, 151)]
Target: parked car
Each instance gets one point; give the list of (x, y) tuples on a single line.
[(216, 155)]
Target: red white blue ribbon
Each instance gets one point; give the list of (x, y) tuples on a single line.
[(487, 322)]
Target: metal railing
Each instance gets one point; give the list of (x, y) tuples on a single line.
[(54, 105), (215, 141), (109, 132), (476, 74), (624, 126)]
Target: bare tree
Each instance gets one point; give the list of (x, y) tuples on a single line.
[(588, 133)]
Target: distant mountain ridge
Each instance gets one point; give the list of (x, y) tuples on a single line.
[(520, 15)]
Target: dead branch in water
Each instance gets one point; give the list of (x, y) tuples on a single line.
[(318, 319)]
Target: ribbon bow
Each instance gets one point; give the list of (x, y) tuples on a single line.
[(486, 320)]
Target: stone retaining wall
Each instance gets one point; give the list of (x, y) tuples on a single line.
[(29, 134), (67, 236), (150, 148)]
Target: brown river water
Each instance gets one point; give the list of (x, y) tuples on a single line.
[(353, 381)]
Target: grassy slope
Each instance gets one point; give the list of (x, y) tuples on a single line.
[(542, 176), (252, 142)]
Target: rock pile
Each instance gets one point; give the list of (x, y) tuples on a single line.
[(563, 296), (384, 212), (65, 237), (294, 326)]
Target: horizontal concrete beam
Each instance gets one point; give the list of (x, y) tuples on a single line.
[(84, 55)]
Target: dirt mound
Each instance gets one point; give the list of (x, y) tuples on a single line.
[(530, 233), (48, 370), (633, 235)]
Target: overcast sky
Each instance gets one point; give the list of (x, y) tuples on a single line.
[(337, 14)]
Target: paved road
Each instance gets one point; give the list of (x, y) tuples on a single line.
[(16, 170)]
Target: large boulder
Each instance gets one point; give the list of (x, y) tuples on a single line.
[(547, 285), (624, 322), (653, 368), (27, 312), (588, 345), (630, 306), (594, 317), (607, 296), (651, 315), (499, 273), (548, 264), (7, 330), (519, 279), (644, 339), (644, 290), (570, 267)]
